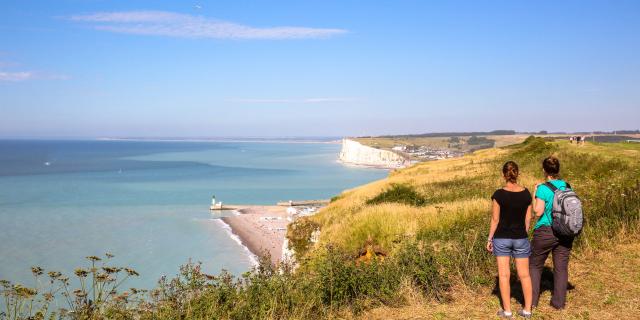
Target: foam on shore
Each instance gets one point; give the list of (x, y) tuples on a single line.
[(252, 257)]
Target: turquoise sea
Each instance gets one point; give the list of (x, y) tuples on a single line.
[(147, 202)]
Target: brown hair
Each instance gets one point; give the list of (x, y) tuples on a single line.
[(551, 166), (510, 171)]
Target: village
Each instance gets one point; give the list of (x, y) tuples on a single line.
[(426, 153)]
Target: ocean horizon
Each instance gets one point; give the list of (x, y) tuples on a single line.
[(146, 201)]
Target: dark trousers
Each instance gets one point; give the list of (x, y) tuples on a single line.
[(543, 243)]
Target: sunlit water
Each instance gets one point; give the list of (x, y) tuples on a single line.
[(147, 202)]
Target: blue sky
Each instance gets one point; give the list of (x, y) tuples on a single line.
[(90, 68)]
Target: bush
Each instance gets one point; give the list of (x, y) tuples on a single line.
[(475, 140), (417, 260), (347, 283), (399, 193), (96, 294), (299, 234)]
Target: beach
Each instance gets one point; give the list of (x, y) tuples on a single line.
[(261, 229)]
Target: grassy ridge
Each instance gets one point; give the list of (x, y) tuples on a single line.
[(459, 189), (431, 220)]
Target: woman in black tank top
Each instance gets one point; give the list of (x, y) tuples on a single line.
[(510, 219)]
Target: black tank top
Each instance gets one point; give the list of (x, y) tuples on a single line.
[(513, 211)]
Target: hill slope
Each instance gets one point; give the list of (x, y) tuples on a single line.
[(444, 206)]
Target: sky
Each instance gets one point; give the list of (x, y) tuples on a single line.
[(91, 68)]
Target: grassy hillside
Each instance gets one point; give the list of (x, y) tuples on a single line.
[(408, 246), (443, 207), (455, 193)]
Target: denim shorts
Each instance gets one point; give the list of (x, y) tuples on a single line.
[(517, 248)]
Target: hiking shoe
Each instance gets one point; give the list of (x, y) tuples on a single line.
[(503, 315), (524, 315)]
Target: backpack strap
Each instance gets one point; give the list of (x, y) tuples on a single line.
[(550, 186), (554, 188)]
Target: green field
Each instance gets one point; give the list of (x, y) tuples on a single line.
[(457, 143)]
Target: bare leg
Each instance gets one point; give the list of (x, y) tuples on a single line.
[(522, 265), (504, 274)]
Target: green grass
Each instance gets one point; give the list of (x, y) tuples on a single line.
[(431, 219), (399, 193)]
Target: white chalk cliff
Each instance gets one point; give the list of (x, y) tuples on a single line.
[(354, 152)]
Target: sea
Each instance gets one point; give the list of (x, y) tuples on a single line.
[(147, 202)]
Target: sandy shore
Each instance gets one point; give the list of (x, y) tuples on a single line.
[(261, 228)]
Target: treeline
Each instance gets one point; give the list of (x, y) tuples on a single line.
[(452, 134), (585, 132), (498, 133)]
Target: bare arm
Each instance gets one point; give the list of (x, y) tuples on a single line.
[(527, 219), (539, 207), (495, 218), (538, 204)]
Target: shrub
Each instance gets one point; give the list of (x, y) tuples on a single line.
[(475, 140), (96, 294), (417, 260), (346, 283), (399, 193), (299, 234)]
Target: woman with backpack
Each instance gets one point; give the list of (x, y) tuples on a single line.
[(510, 220), (546, 241)]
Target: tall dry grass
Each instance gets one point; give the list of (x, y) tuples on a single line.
[(453, 202)]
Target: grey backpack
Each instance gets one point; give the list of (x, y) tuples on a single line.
[(567, 211)]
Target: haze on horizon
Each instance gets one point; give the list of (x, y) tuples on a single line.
[(325, 68)]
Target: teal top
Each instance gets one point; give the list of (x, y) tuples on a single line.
[(545, 194)]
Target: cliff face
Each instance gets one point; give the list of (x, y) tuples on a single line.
[(354, 152)]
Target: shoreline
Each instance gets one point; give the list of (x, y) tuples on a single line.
[(370, 166), (254, 260), (221, 140), (260, 229)]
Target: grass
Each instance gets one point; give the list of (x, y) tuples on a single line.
[(454, 216), (430, 220), (459, 190), (606, 285), (399, 193), (437, 142), (388, 143)]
